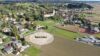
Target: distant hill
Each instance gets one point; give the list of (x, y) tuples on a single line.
[(78, 6), (18, 0), (49, 1), (53, 1)]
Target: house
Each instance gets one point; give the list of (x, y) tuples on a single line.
[(14, 47), (17, 44), (6, 19), (1, 41), (50, 14), (8, 49), (21, 30), (6, 30), (18, 26), (12, 19), (21, 13), (3, 36), (96, 29), (40, 27), (11, 47), (63, 12)]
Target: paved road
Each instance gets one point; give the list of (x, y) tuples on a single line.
[(63, 47)]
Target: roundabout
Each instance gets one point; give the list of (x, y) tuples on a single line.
[(40, 38)]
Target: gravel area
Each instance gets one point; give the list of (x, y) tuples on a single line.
[(40, 38)]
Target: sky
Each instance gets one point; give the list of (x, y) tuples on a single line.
[(87, 0), (55, 0)]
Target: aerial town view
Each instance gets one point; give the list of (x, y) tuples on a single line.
[(49, 27)]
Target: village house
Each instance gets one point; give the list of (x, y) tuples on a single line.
[(8, 49), (39, 27), (63, 12), (6, 30), (11, 47), (50, 14), (16, 44), (14, 47), (3, 36), (1, 41), (21, 13)]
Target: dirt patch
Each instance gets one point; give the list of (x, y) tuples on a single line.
[(96, 11), (71, 28), (40, 38), (63, 47)]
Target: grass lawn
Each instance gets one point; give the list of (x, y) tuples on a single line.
[(31, 51), (7, 40), (28, 32), (98, 35), (57, 32)]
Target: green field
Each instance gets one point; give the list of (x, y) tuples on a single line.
[(98, 35), (57, 32), (31, 51)]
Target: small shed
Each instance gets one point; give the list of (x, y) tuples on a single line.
[(8, 49), (39, 27)]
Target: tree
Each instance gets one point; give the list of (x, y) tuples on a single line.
[(15, 31), (99, 26), (82, 16), (23, 41)]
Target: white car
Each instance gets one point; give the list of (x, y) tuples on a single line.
[(89, 39)]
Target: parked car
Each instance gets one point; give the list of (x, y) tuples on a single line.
[(89, 39)]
